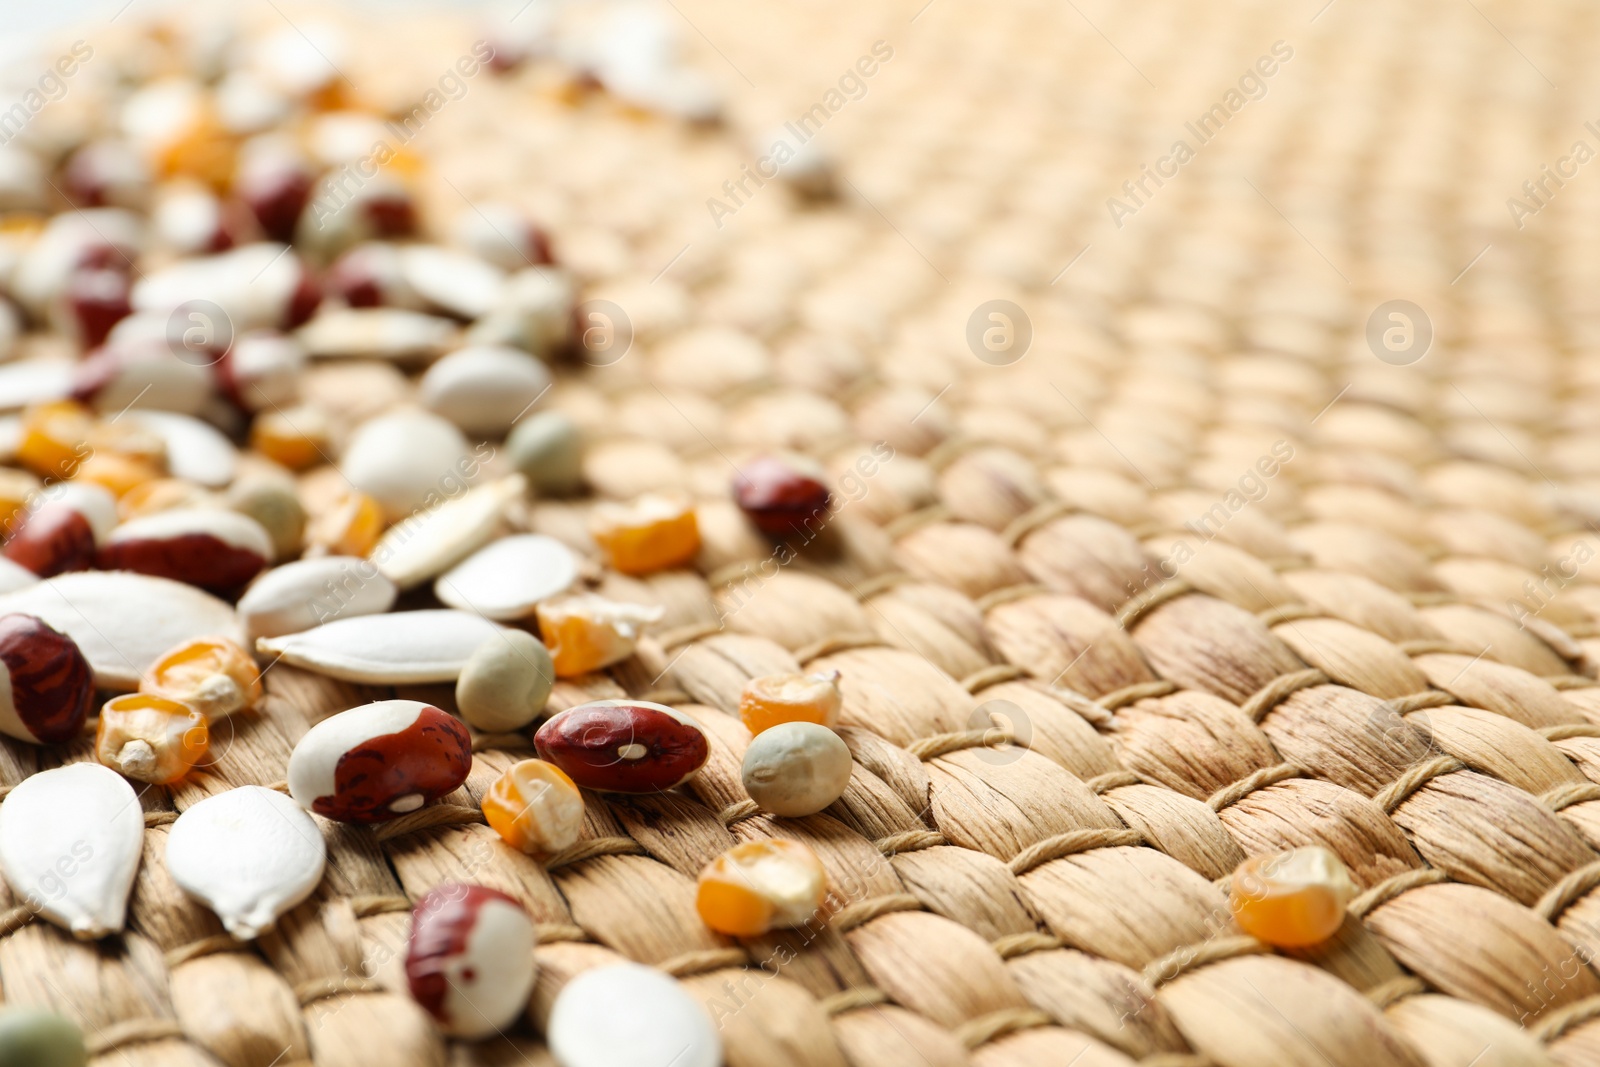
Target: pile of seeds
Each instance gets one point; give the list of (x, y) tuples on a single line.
[(659, 537)]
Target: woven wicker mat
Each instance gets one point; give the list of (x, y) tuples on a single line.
[(1197, 577)]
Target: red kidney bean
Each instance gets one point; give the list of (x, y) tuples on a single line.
[(624, 746), (99, 299), (51, 687), (276, 189), (53, 539), (307, 296), (214, 549), (780, 497), (379, 761), (391, 213), (470, 961)]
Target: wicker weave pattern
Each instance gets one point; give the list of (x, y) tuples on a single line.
[(1065, 742)]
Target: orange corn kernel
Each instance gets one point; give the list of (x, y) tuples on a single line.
[(160, 494), (55, 438), (297, 439), (118, 474), (760, 886), (349, 528), (129, 439), (1291, 898), (535, 808), (149, 738), (17, 489), (210, 674), (585, 632), (651, 534), (778, 698), (205, 152)]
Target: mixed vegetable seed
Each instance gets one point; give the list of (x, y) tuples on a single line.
[(187, 564)]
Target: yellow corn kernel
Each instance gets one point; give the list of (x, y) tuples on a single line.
[(296, 439), (128, 439), (149, 738), (760, 886), (653, 533), (350, 527), (17, 488), (535, 808), (21, 224), (1292, 898), (205, 151), (160, 494), (55, 438), (778, 698), (211, 674), (585, 632), (117, 473)]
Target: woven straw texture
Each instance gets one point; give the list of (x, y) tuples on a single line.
[(1196, 578)]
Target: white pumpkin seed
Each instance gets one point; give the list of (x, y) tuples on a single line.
[(422, 546), (196, 450), (484, 388), (123, 622), (384, 333), (34, 381), (403, 458), (400, 649), (255, 285), (249, 854), (457, 283), (13, 576), (133, 372), (310, 592), (507, 578), (70, 842)]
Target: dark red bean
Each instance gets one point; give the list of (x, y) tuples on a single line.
[(52, 687), (379, 761), (214, 549), (53, 539), (624, 746), (469, 961), (391, 214), (781, 498), (307, 295), (276, 191), (98, 299)]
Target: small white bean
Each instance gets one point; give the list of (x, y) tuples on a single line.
[(796, 768), (505, 683)]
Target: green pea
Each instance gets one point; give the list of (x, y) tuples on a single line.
[(33, 1038), (546, 448)]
